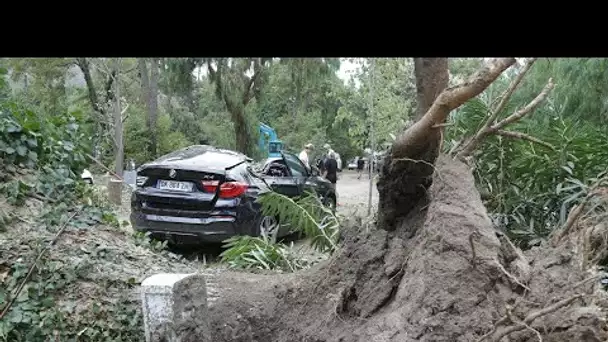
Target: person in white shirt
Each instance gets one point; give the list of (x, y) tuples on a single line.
[(304, 155)]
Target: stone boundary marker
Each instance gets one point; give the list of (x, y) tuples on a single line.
[(175, 308)]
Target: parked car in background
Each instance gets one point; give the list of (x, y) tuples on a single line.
[(205, 194), (352, 164)]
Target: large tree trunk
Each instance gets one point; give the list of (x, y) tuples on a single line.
[(153, 106), (432, 77), (241, 130), (119, 153), (149, 98), (237, 103)]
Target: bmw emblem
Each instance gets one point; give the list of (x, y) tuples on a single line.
[(172, 173)]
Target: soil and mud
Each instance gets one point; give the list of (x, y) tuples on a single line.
[(444, 274)]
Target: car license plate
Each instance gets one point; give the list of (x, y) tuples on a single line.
[(174, 186)]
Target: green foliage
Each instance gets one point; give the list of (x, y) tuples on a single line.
[(136, 146), (144, 240), (39, 313), (532, 188), (53, 148), (306, 214), (247, 252)]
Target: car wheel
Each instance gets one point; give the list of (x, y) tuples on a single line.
[(268, 226)]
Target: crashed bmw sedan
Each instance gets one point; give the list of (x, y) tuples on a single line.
[(206, 194)]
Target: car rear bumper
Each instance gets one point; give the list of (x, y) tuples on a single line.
[(186, 229)]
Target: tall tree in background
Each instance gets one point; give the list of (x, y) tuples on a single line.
[(119, 154), (236, 90), (100, 103), (149, 98)]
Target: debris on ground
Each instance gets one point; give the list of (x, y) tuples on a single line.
[(86, 285)]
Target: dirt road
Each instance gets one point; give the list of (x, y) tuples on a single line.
[(353, 194)]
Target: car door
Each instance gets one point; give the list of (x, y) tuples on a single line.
[(298, 175)]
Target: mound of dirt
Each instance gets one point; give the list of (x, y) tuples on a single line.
[(444, 274)]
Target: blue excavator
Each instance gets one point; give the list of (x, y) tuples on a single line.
[(269, 143)]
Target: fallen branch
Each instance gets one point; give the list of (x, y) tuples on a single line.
[(41, 198), (22, 219), (31, 270), (527, 109), (523, 136)]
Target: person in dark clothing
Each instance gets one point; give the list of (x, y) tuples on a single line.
[(360, 166), (331, 169), (321, 165)]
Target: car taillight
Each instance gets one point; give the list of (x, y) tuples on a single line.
[(227, 190)]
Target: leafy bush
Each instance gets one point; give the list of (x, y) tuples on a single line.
[(54, 150), (531, 187)]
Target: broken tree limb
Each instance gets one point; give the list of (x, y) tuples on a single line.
[(415, 138), (490, 128), (523, 136)]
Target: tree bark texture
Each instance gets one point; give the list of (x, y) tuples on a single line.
[(432, 78), (153, 106), (118, 131), (149, 98)]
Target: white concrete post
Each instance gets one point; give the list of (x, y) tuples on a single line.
[(175, 308)]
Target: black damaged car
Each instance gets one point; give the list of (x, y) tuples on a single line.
[(205, 194)]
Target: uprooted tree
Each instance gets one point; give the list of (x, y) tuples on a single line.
[(434, 269)]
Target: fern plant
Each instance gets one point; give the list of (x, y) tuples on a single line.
[(306, 214)]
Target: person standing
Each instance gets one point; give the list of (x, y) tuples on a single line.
[(305, 154), (360, 166), (331, 170)]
